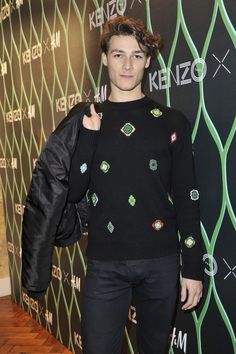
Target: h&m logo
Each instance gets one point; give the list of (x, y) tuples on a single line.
[(179, 340), (78, 340), (48, 316), (75, 282), (101, 94)]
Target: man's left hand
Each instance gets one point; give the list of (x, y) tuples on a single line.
[(191, 292)]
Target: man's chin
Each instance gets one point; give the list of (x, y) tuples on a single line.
[(127, 87)]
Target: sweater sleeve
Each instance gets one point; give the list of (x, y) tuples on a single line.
[(186, 202), (81, 163)]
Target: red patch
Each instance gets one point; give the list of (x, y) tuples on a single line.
[(157, 225), (173, 137)]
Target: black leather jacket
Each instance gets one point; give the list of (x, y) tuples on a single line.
[(47, 219)]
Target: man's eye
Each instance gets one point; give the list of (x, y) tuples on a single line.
[(138, 56), (117, 55)]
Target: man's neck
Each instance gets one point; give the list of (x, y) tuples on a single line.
[(125, 96)]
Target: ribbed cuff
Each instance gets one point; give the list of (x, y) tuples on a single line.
[(193, 270)]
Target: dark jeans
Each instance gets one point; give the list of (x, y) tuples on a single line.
[(109, 288)]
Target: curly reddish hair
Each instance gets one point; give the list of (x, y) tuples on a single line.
[(128, 26)]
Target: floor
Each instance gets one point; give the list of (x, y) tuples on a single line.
[(19, 333)]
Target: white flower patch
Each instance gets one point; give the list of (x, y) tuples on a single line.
[(83, 167), (194, 194)]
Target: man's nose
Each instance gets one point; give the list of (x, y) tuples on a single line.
[(127, 63)]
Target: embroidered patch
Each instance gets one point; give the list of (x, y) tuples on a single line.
[(194, 194), (173, 137), (104, 166), (94, 199), (153, 164), (156, 112), (189, 242), (83, 167), (110, 227), (157, 225), (132, 200), (128, 129)]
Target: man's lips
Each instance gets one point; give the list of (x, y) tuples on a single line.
[(126, 76)]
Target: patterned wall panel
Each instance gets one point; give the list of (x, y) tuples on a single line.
[(49, 61)]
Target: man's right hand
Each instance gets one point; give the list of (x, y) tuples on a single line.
[(93, 122)]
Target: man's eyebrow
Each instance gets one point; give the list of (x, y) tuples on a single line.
[(138, 51)]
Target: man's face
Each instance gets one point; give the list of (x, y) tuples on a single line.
[(125, 62)]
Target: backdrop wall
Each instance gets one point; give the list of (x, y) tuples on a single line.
[(49, 60)]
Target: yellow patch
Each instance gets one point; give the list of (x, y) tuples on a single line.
[(189, 242), (156, 112)]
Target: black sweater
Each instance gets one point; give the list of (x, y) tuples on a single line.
[(142, 186)]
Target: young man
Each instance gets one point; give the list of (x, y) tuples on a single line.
[(142, 190)]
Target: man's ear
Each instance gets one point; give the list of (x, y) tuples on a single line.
[(148, 62), (104, 59)]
